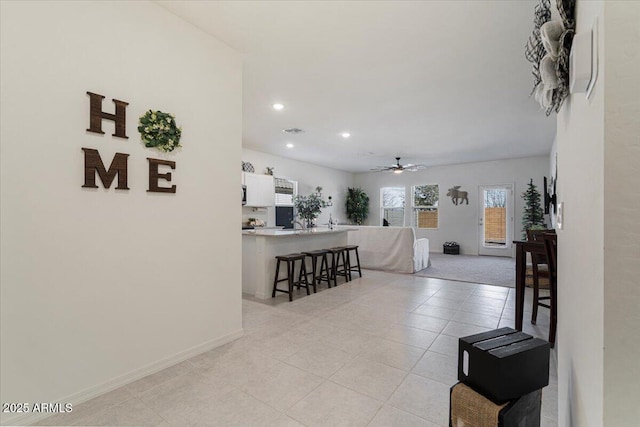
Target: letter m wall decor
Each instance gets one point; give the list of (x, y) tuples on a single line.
[(92, 162)]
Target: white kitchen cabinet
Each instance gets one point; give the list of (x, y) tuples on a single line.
[(260, 189)]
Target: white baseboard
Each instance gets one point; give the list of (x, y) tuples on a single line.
[(136, 374)]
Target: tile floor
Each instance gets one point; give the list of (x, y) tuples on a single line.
[(377, 351)]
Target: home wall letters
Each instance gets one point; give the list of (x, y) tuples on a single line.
[(93, 163)]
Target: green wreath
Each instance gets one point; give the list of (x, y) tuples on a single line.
[(159, 130)]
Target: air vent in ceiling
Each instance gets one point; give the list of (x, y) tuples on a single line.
[(293, 131)]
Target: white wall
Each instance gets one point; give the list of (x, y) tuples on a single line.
[(621, 214), (334, 183), (102, 286), (580, 186), (458, 223)]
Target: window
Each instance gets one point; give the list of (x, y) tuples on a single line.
[(392, 206), (285, 190), (425, 205)]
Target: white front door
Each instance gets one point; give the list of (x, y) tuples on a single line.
[(495, 220)]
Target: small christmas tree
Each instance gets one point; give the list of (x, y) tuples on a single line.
[(533, 217)]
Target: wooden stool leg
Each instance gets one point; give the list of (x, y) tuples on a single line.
[(536, 299), (358, 259), (275, 280), (348, 268), (324, 266), (290, 270), (314, 262), (303, 276), (345, 266), (334, 272)]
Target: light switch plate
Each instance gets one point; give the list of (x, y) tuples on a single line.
[(583, 68), (560, 216)]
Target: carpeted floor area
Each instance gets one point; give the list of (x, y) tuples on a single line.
[(488, 270)]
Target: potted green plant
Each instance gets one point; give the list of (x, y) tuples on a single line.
[(357, 205), (308, 208), (533, 216)]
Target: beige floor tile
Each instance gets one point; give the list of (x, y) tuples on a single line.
[(492, 292), (153, 380), (423, 397), (508, 313), (346, 340), (495, 289), (88, 408), (452, 293), (446, 345), (427, 323), (443, 303), (411, 336), (237, 409), (178, 399), (550, 401), (388, 416), (239, 369), (457, 329), (132, 412), (334, 405), (483, 301), (282, 387), (433, 311), (319, 359), (487, 310), (392, 354), (438, 367), (368, 377), (284, 421), (490, 322)]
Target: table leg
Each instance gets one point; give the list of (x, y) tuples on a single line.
[(521, 270)]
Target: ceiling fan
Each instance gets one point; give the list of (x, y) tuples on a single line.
[(398, 168)]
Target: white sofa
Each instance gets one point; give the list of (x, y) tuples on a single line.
[(394, 249)]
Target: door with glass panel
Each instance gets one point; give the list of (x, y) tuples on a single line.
[(495, 220), (392, 206)]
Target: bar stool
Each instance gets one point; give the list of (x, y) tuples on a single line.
[(323, 275), (350, 248), (336, 268), (291, 266)]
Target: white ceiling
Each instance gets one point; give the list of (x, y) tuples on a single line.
[(435, 82)]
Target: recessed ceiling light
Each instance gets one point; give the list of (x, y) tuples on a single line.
[(345, 135), (278, 106), (289, 145)]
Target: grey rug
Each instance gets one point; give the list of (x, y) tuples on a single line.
[(490, 270)]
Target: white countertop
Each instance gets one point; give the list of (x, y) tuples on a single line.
[(302, 233)]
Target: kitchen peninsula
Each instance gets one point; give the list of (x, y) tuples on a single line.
[(260, 247)]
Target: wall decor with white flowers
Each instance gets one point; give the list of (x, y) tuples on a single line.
[(548, 49), (159, 130)]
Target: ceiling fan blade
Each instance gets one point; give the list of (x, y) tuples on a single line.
[(415, 168)]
